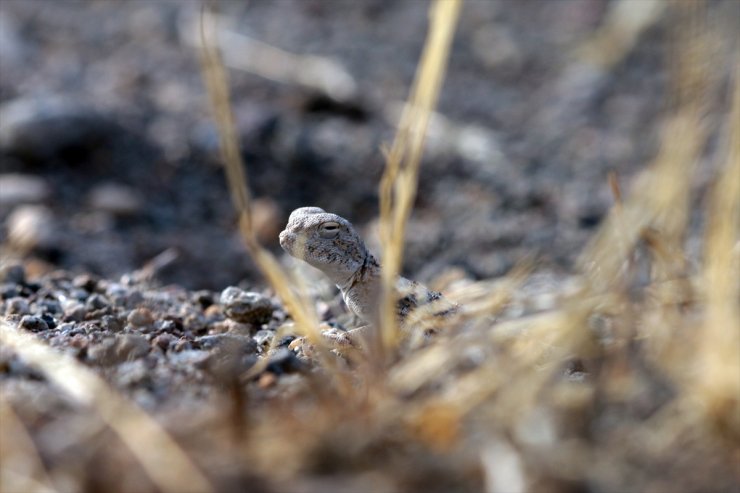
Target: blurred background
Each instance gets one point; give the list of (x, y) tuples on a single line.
[(109, 156), (618, 373)]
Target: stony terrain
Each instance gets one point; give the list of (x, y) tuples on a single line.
[(105, 132), (154, 343), (119, 243)]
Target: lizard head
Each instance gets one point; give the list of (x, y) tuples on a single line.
[(326, 241)]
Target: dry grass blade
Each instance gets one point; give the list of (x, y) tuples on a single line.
[(625, 21), (21, 467), (399, 182), (217, 84), (660, 196), (720, 375), (158, 453)]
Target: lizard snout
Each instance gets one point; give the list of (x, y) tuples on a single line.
[(286, 240)]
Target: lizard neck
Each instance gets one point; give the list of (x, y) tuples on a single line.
[(368, 273), (361, 290)]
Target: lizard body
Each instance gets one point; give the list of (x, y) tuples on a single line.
[(331, 244)]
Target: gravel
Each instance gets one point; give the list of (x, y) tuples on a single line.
[(148, 340), (246, 307)]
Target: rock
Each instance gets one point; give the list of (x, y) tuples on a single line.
[(194, 323), (96, 302), (140, 317), (168, 326), (264, 338), (203, 298), (86, 282), (239, 328), (213, 312), (230, 354), (116, 199), (190, 358), (18, 189), (32, 323), (103, 352), (283, 361), (50, 321), (37, 129), (228, 342), (9, 290), (12, 273), (31, 226), (113, 350), (131, 373), (111, 323), (131, 347), (79, 341), (74, 312), (182, 344), (49, 306), (246, 307), (78, 294), (16, 306), (164, 341), (120, 295)]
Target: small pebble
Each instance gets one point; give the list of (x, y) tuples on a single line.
[(9, 290), (74, 312), (18, 189), (50, 306), (16, 306), (282, 361), (170, 326), (79, 341), (32, 323), (116, 199), (228, 342), (38, 128), (116, 292), (86, 282), (190, 358), (131, 347), (164, 341), (194, 323), (12, 273), (183, 345), (111, 323), (140, 317), (96, 302), (239, 328), (213, 311), (264, 338), (246, 307), (131, 373), (102, 353), (49, 320), (203, 298)]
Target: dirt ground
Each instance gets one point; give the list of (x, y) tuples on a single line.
[(519, 166), (114, 201)]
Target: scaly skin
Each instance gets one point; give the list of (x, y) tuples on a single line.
[(331, 244)]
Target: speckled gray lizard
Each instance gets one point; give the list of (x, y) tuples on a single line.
[(331, 244)]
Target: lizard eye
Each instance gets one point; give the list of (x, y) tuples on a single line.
[(329, 229)]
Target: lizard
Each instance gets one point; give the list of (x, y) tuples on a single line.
[(331, 244)]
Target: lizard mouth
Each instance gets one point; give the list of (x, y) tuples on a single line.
[(287, 240)]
